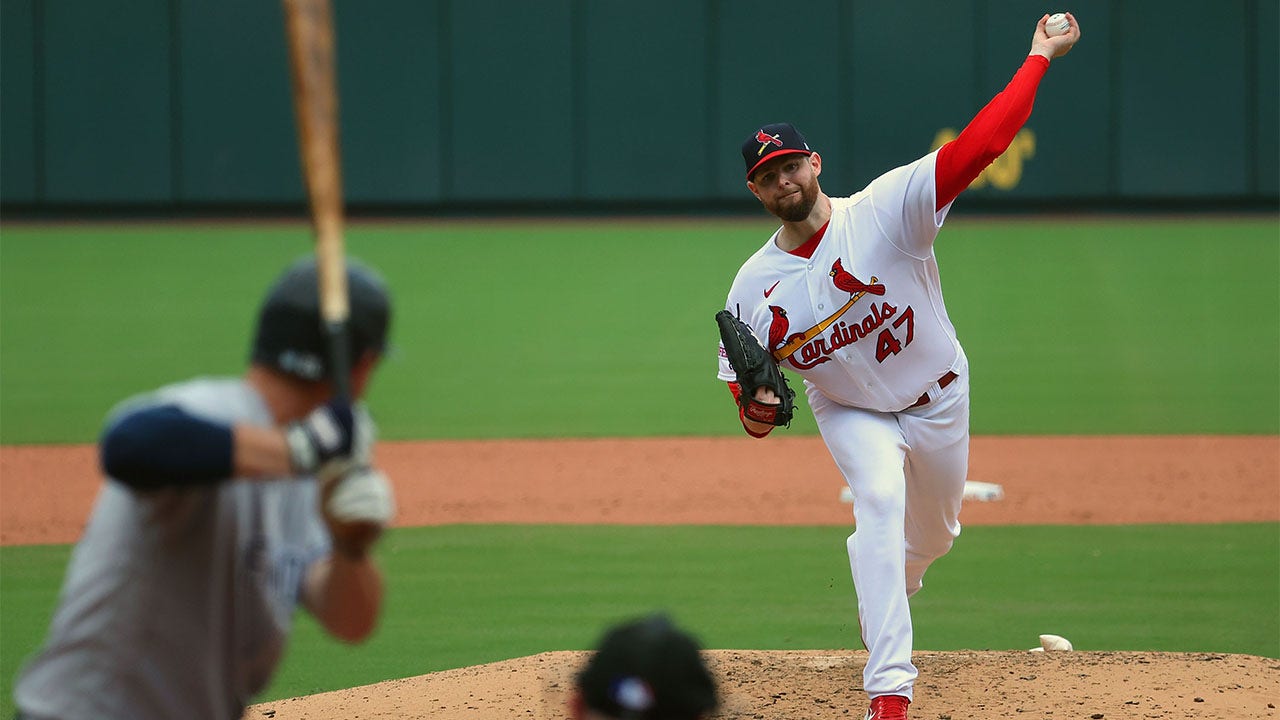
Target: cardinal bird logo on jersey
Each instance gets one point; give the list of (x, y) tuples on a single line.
[(808, 349), (766, 140), (845, 280), (778, 327)]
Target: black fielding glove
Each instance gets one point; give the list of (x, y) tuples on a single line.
[(755, 368)]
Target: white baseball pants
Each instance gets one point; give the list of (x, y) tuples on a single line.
[(907, 472)]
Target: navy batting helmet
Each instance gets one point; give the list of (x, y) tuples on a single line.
[(290, 335), (648, 669)]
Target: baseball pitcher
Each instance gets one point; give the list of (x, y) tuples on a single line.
[(847, 294)]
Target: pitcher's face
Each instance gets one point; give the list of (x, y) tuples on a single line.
[(787, 185)]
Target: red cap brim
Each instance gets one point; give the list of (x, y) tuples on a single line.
[(774, 154)]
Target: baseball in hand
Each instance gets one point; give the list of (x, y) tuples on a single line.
[(1057, 24)]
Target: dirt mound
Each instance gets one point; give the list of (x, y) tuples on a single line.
[(816, 685)]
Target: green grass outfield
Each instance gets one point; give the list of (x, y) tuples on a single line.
[(598, 328), (605, 328)]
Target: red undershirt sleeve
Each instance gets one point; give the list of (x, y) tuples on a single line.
[(989, 133), (736, 389)]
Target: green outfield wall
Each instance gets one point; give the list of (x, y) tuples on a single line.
[(174, 104)]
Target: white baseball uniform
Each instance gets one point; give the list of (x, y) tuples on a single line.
[(884, 374), (177, 602), (873, 279)]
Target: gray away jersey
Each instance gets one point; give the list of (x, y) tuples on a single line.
[(177, 603)]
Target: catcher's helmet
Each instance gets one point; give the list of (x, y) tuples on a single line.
[(290, 335)]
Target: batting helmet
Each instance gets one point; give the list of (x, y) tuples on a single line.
[(648, 669), (290, 335)]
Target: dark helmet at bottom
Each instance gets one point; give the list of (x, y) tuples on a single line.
[(648, 669), (291, 337)]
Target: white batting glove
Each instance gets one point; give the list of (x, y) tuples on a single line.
[(362, 495), (357, 506), (331, 440)]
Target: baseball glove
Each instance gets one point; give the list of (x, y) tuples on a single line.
[(755, 368)]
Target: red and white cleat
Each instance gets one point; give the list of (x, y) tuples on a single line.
[(888, 707)]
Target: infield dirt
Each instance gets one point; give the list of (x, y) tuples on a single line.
[(47, 492)]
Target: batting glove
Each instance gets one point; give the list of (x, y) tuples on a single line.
[(357, 506), (331, 440)]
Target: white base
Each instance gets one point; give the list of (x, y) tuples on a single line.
[(1052, 643), (980, 491)]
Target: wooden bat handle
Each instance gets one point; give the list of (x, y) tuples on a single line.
[(309, 27)]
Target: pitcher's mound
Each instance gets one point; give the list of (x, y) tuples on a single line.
[(821, 684)]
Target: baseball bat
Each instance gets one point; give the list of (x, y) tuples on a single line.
[(309, 26)]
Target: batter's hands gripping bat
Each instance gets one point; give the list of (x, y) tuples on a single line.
[(309, 26), (356, 504)]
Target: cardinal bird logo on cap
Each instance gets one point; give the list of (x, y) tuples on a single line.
[(766, 140)]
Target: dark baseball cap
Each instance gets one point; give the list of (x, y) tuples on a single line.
[(290, 336), (648, 669), (770, 141)]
